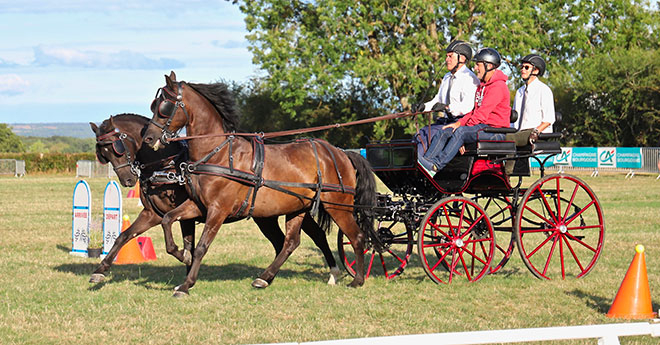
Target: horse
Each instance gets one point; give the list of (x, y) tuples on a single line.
[(119, 142), (234, 176)]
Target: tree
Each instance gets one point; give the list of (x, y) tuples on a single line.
[(393, 50), (615, 99), (9, 142)]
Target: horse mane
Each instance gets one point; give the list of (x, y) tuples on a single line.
[(223, 101), (105, 126)]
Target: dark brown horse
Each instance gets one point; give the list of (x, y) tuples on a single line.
[(229, 179), (119, 142)]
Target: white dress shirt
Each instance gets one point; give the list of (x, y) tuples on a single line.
[(539, 106), (461, 96)]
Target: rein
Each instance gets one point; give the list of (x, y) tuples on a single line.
[(304, 130)]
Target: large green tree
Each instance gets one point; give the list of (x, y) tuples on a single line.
[(394, 50), (9, 142)]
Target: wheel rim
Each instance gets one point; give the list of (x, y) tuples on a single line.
[(398, 245), (456, 239), (559, 227), (500, 213)]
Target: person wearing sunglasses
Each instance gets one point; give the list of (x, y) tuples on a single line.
[(491, 109), (533, 102), (455, 96)]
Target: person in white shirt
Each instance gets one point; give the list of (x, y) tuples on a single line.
[(455, 96), (533, 102)]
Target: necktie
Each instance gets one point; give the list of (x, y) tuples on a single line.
[(451, 80), (522, 108)]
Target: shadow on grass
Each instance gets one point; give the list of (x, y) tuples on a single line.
[(598, 303), (153, 277)]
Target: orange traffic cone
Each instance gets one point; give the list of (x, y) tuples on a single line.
[(147, 248), (130, 253), (633, 300), (135, 192)]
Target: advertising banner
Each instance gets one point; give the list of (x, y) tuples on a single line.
[(82, 214), (112, 215), (606, 157), (629, 157)]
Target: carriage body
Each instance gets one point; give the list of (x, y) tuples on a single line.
[(467, 219)]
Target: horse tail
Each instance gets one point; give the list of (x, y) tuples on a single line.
[(365, 192)]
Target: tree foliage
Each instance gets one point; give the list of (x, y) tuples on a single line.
[(393, 51), (9, 142)]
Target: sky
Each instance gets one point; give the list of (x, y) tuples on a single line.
[(82, 61)]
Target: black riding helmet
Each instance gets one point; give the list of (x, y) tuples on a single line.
[(488, 55), (536, 61), (461, 48)]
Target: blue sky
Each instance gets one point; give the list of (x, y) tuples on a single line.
[(81, 61)]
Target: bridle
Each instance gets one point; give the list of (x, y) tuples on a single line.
[(165, 107), (116, 139)]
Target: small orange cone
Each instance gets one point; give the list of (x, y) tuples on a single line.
[(147, 248), (130, 253), (135, 192), (633, 300)]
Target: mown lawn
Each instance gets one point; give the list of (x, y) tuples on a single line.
[(46, 299)]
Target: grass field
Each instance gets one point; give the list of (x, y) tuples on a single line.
[(46, 299)]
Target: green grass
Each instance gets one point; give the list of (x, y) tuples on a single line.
[(45, 297)]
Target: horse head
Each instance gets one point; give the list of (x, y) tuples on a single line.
[(117, 144), (180, 104)]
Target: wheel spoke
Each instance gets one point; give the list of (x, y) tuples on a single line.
[(539, 246), (570, 203), (580, 242), (570, 248), (547, 206), (538, 215), (475, 256), (558, 199), (573, 217), (382, 262), (561, 256), (552, 249), (467, 273)]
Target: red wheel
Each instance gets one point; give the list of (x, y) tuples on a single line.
[(456, 239), (500, 212), (397, 243), (559, 227)]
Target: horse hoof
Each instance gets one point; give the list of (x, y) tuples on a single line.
[(260, 283), (187, 258), (97, 278), (180, 294), (334, 276)]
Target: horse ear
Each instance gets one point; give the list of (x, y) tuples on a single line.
[(170, 80), (95, 128)]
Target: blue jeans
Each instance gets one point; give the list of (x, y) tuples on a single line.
[(447, 142), (422, 137)]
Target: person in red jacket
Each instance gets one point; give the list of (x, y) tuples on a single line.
[(491, 109)]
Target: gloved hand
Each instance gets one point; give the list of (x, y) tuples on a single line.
[(417, 108), (534, 136), (439, 107)]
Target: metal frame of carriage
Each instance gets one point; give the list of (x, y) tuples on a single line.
[(467, 219)]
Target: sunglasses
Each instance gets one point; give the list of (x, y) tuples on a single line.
[(526, 67)]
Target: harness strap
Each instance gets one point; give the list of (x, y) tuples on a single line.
[(334, 161), (317, 197)]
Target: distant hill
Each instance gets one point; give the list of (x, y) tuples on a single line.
[(75, 130)]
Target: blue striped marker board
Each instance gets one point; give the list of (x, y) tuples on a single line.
[(82, 214), (112, 215)]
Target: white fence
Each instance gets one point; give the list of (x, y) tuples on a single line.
[(12, 167), (607, 334), (86, 168)]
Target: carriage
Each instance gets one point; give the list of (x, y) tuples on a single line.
[(467, 219)]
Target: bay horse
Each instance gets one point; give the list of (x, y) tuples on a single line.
[(119, 142), (232, 176)]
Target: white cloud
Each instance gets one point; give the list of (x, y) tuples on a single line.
[(12, 84), (124, 59), (7, 64)]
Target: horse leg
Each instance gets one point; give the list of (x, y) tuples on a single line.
[(214, 220), (187, 210), (348, 225), (314, 231), (291, 242), (271, 229), (145, 221), (188, 233)]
